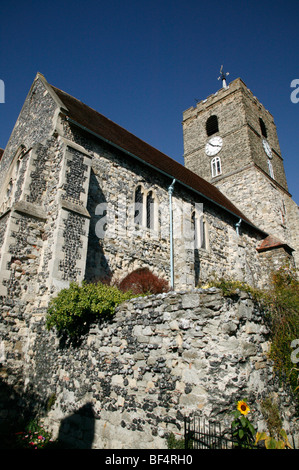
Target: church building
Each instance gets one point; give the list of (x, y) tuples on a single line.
[(81, 198)]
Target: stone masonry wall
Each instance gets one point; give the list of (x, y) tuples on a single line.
[(227, 105), (35, 124), (238, 113), (273, 210), (245, 176), (133, 379), (66, 178), (120, 248)]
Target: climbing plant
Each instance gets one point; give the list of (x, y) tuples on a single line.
[(284, 322), (281, 305)]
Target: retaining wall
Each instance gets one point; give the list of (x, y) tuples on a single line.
[(132, 380)]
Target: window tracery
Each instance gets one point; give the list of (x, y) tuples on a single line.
[(216, 166), (145, 208)]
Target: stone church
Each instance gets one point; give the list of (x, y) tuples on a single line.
[(83, 198)]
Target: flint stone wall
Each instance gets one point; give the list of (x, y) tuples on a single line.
[(160, 358)]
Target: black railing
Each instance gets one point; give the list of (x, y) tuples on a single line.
[(200, 434)]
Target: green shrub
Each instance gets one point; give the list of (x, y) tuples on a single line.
[(176, 443), (270, 411), (231, 287), (73, 309)]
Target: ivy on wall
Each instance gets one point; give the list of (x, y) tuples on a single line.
[(281, 304)]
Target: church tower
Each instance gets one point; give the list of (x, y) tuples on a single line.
[(230, 140)]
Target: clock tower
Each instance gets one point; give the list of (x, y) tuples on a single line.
[(230, 140)]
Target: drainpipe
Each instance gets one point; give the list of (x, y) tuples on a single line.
[(170, 192), (238, 226)]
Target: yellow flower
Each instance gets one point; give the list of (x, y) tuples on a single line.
[(243, 407)]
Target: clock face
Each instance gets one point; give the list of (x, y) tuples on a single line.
[(213, 146), (267, 148)]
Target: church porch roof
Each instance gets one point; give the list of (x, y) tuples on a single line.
[(271, 242)]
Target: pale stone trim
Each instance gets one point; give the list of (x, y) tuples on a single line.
[(30, 209), (70, 143)]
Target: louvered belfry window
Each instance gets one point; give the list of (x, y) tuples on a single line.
[(212, 125), (263, 128)]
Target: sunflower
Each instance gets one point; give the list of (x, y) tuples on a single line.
[(243, 407)]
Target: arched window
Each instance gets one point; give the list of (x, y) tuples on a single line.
[(145, 208), (203, 241), (150, 211), (9, 189), (263, 128), (216, 167), (194, 228), (212, 125), (199, 229), (138, 206), (199, 240)]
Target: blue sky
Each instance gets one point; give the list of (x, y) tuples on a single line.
[(142, 63)]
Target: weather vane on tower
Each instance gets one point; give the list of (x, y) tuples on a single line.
[(223, 77)]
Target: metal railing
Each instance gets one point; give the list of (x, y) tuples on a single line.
[(200, 434)]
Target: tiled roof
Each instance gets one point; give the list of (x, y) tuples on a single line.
[(112, 133), (271, 242)]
